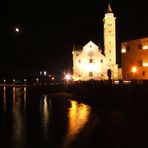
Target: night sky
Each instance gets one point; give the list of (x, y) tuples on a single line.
[(49, 29)]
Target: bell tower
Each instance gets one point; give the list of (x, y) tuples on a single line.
[(110, 36)]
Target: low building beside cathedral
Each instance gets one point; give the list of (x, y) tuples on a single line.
[(90, 63), (135, 59)]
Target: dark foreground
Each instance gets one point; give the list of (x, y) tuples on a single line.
[(88, 117)]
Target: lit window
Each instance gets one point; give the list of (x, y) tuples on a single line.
[(145, 47), (145, 64)]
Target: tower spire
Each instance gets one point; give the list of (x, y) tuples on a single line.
[(109, 10)]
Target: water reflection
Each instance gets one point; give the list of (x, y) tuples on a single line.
[(45, 107), (18, 125), (78, 116), (25, 94), (14, 95), (45, 110), (4, 97)]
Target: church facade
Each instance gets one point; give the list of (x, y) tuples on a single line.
[(90, 63)]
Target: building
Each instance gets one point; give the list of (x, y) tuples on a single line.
[(134, 57), (90, 63)]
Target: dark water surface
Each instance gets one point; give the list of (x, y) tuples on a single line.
[(29, 119)]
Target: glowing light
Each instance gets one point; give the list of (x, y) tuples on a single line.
[(17, 29), (78, 116), (67, 76), (116, 82), (145, 64), (145, 47), (45, 73), (126, 82), (134, 69), (123, 50)]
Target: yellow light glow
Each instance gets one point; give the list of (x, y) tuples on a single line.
[(87, 67), (134, 69), (78, 116), (145, 64), (123, 50), (145, 47)]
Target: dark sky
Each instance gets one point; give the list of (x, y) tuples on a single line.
[(49, 29)]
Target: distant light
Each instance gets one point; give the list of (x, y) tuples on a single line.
[(67, 77), (40, 72), (45, 73), (116, 82), (37, 79), (134, 69), (126, 82), (17, 29), (52, 78)]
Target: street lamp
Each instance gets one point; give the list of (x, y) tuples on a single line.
[(67, 77), (134, 69)]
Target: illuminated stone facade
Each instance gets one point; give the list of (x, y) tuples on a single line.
[(90, 63), (135, 59)]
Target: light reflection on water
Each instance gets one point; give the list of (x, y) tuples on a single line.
[(18, 118), (45, 108), (78, 116), (4, 98), (33, 116), (31, 119), (25, 99)]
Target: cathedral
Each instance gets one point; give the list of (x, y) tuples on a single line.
[(90, 63)]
